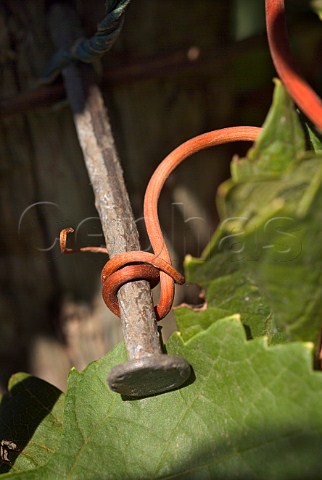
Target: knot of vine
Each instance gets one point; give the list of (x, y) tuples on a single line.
[(133, 266)]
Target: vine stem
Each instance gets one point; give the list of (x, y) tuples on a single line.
[(303, 95), (177, 156)]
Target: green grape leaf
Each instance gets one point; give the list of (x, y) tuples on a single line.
[(31, 416), (252, 412), (190, 321), (264, 262), (314, 137), (317, 7), (280, 144)]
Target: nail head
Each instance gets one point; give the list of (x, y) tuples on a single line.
[(149, 375)]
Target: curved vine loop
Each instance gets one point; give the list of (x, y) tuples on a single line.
[(303, 95), (155, 267), (128, 266)]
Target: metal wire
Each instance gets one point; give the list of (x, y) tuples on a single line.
[(89, 50)]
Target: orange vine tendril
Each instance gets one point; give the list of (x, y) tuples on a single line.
[(63, 244), (116, 272), (307, 100), (155, 267)]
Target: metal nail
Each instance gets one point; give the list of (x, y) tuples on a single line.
[(148, 371)]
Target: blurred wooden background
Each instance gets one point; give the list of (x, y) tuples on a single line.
[(178, 69)]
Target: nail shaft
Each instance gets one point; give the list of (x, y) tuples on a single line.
[(147, 367)]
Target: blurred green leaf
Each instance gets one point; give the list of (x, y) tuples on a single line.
[(268, 247), (315, 138), (317, 7), (281, 143)]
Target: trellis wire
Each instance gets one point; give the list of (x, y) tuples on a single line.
[(91, 49)]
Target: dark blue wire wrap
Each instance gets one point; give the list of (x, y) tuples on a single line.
[(89, 50)]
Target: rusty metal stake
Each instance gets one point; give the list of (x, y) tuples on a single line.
[(148, 371)]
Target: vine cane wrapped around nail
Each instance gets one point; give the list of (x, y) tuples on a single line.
[(131, 266), (155, 267)]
